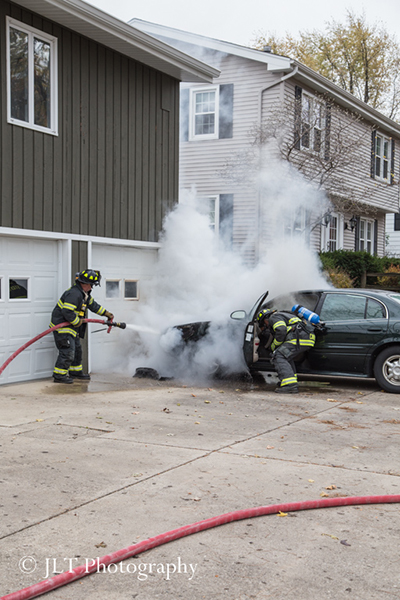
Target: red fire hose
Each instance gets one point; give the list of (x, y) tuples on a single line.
[(63, 578), (49, 330)]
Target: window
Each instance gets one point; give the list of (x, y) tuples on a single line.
[(366, 237), (18, 288), (332, 232), (343, 307), (204, 113), (346, 307), (311, 123), (112, 288), (383, 148), (31, 77), (131, 290), (295, 224)]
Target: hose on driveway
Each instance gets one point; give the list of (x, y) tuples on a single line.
[(68, 577)]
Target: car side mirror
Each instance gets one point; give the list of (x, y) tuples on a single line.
[(239, 315)]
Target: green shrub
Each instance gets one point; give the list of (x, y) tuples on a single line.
[(353, 264)]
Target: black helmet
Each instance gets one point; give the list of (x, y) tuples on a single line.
[(263, 315), (89, 276)]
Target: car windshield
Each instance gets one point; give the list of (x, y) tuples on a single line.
[(286, 302)]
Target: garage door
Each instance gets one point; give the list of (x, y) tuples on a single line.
[(28, 293), (124, 274)]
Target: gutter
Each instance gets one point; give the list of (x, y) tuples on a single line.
[(260, 97)]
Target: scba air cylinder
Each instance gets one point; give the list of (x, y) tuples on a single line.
[(306, 314)]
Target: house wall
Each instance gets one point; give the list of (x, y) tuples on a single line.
[(356, 172), (112, 170), (210, 176)]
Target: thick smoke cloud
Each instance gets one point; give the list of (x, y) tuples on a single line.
[(198, 279)]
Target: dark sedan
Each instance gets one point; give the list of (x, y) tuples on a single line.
[(360, 336)]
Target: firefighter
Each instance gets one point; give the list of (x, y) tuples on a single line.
[(289, 336), (72, 307)]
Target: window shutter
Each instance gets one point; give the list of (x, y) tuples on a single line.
[(226, 111), (297, 116), (328, 119), (373, 138), (392, 163), (376, 237), (357, 236), (184, 115), (226, 218), (396, 221)]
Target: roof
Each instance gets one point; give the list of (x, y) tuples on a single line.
[(274, 62), (278, 63), (101, 27)]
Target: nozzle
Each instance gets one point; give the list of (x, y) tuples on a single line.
[(116, 324)]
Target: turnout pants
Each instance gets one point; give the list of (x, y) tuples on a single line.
[(283, 361), (69, 354)]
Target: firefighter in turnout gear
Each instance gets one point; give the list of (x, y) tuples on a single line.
[(290, 336), (72, 307)]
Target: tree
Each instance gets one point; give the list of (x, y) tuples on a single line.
[(362, 59), (332, 138)]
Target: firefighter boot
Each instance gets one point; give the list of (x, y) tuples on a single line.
[(291, 388), (62, 379), (80, 375)]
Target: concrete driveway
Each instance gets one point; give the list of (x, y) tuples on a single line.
[(89, 469)]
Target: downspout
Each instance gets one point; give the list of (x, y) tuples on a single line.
[(260, 99)]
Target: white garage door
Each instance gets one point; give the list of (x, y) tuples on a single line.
[(28, 293), (124, 272)]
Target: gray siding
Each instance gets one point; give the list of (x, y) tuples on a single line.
[(113, 169)]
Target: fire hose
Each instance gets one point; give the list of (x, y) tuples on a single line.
[(50, 329), (63, 578)]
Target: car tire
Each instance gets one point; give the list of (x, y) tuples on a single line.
[(387, 369)]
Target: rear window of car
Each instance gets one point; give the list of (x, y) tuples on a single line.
[(348, 307)]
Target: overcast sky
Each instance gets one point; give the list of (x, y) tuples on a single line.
[(238, 21)]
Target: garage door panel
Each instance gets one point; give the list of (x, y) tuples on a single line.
[(3, 327), (21, 320), (20, 327), (118, 263), (21, 366), (44, 360), (18, 252), (45, 288), (44, 255)]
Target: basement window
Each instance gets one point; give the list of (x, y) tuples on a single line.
[(131, 290), (31, 77), (112, 288), (18, 289)]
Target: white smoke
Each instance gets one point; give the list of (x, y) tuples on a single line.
[(198, 279)]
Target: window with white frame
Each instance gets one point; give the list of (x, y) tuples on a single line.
[(31, 77), (18, 288), (209, 206), (311, 123), (383, 147), (131, 291), (295, 224), (112, 288), (332, 232), (204, 113), (366, 235)]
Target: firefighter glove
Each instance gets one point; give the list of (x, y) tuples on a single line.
[(109, 315)]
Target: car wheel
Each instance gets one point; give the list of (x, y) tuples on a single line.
[(387, 369)]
